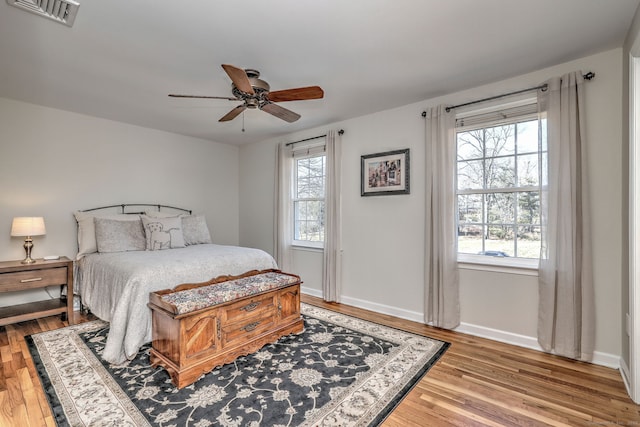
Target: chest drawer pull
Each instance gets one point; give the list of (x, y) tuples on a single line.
[(251, 326), (251, 307), (35, 279)]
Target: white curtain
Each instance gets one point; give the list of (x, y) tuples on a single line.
[(442, 299), (283, 215), (566, 295), (332, 269)]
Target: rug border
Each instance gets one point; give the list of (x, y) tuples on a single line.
[(393, 404), (45, 382)]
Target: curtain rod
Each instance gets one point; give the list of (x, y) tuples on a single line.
[(590, 75), (340, 132)]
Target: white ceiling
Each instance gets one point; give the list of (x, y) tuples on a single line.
[(121, 58)]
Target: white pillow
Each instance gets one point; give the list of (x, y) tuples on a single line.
[(195, 230), (114, 235), (163, 233), (87, 231)]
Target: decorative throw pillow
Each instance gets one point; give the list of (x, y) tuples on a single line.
[(163, 233), (87, 231), (113, 235), (195, 230)]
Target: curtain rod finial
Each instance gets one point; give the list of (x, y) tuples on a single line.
[(589, 75)]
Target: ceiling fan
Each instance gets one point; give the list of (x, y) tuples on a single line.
[(255, 93)]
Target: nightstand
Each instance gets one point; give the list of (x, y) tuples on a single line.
[(15, 276)]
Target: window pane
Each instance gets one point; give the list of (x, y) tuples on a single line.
[(470, 175), (312, 187), (492, 164), (301, 210), (500, 241), (470, 239), (311, 231), (470, 145), (310, 177), (529, 207), (529, 241), (499, 208), (528, 137), (309, 220), (528, 170), (500, 140), (308, 206), (470, 208), (302, 168), (316, 166), (501, 172)]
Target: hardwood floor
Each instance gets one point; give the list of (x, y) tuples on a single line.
[(477, 382)]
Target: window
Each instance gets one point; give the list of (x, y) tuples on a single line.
[(498, 186), (308, 200)]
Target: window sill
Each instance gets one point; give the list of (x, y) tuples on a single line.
[(520, 266), (307, 248)]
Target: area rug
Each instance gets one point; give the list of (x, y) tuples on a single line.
[(341, 371)]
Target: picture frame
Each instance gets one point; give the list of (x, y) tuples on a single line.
[(386, 173)]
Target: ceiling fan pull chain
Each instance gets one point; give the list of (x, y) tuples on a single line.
[(243, 121)]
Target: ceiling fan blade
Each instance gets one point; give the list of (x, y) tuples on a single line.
[(233, 113), (239, 78), (281, 113), (298, 94), (173, 95)]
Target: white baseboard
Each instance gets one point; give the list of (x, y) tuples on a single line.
[(383, 309), (311, 291), (599, 358), (368, 305)]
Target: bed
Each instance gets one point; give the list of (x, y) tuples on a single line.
[(123, 257)]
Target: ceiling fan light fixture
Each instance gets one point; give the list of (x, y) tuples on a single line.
[(256, 94)]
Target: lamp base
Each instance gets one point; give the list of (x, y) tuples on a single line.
[(28, 245)]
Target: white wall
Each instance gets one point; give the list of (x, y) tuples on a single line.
[(383, 236), (53, 162), (633, 35)]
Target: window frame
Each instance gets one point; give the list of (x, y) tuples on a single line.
[(317, 151), (484, 262)]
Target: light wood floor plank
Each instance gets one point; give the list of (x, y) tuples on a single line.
[(6, 414), (36, 416)]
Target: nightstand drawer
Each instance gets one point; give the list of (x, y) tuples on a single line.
[(20, 280)]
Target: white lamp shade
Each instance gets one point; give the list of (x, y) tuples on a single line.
[(28, 226)]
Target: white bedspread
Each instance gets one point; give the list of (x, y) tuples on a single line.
[(116, 286)]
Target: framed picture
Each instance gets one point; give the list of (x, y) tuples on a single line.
[(385, 173)]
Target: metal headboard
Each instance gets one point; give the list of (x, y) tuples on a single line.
[(123, 206)]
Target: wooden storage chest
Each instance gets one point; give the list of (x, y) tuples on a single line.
[(197, 327)]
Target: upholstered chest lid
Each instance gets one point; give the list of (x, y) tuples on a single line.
[(201, 297)]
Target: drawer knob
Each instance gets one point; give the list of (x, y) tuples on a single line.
[(35, 279), (250, 307), (251, 326)]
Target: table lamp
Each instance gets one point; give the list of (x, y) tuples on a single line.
[(25, 226)]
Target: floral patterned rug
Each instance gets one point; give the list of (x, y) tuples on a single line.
[(341, 371)]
